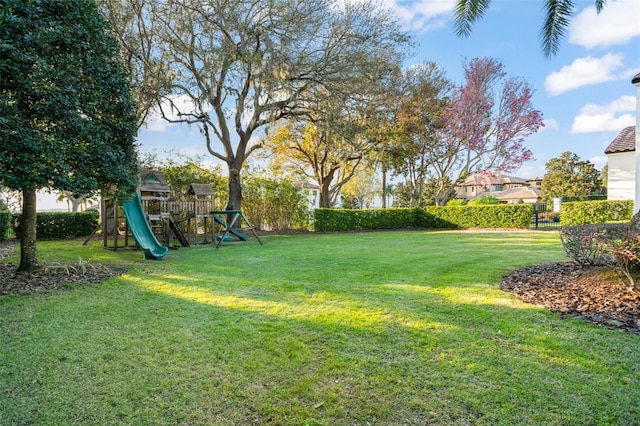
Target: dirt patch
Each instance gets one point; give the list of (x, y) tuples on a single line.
[(595, 294), (50, 277)]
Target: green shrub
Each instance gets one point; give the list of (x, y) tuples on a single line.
[(327, 220), (271, 204), (482, 216), (61, 225), (432, 217), (593, 212)]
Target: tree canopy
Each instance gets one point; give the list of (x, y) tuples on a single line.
[(477, 126), (241, 65), (569, 176), (67, 119)]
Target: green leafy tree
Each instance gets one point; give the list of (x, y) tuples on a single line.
[(361, 191), (604, 177), (180, 176), (325, 154), (568, 176), (558, 15), (274, 203), (67, 119)]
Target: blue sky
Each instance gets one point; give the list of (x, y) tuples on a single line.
[(584, 92)]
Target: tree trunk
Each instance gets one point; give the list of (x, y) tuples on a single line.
[(235, 189), (28, 261), (325, 198), (384, 187)]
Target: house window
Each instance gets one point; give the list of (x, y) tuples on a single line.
[(497, 188)]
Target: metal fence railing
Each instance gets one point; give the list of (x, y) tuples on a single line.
[(544, 218)]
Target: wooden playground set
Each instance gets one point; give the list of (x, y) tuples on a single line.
[(155, 214)]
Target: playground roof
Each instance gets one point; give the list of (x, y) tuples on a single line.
[(153, 181), (200, 189)]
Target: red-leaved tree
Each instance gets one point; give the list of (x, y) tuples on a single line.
[(484, 126)]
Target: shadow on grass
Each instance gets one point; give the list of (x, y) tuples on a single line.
[(389, 352)]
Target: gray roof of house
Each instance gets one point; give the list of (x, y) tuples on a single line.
[(624, 142)]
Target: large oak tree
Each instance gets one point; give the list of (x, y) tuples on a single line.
[(237, 66), (67, 119)]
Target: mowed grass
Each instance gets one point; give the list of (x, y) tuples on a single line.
[(382, 328)]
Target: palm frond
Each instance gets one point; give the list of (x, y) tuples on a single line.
[(558, 16), (467, 12)]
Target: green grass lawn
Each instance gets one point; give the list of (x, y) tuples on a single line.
[(381, 328)]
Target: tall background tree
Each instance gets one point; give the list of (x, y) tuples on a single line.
[(478, 126), (67, 119), (558, 15), (570, 177), (326, 153), (147, 64), (243, 64), (422, 92)]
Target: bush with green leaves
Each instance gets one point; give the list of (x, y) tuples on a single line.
[(61, 225), (483, 201), (507, 216), (504, 216), (275, 204), (331, 220), (586, 212)]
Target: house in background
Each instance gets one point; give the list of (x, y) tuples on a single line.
[(312, 192), (506, 189), (623, 161)]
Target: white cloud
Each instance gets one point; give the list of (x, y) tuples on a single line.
[(422, 15), (599, 162), (155, 122), (550, 124), (607, 118), (584, 72), (617, 24)]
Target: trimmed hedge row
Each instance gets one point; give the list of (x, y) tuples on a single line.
[(593, 212), (516, 216), (330, 220), (61, 225), (433, 217)]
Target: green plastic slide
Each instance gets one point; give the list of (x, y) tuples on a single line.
[(137, 223)]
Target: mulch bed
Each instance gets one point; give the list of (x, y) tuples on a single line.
[(51, 277), (593, 293)]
